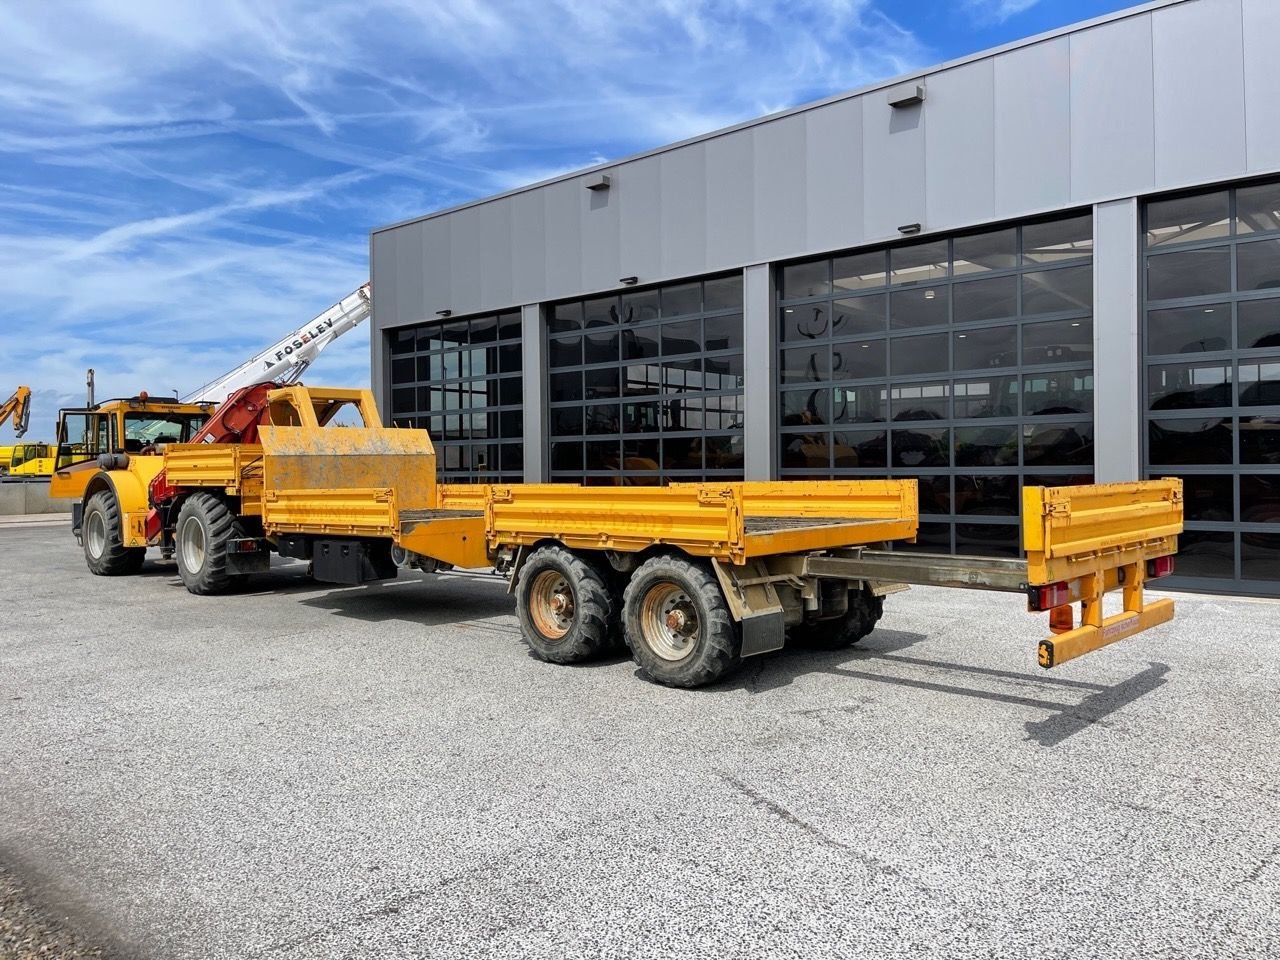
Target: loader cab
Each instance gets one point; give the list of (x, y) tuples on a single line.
[(137, 426)]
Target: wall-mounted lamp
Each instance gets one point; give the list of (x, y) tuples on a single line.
[(629, 281), (601, 181), (906, 95), (929, 294), (444, 313), (909, 228)]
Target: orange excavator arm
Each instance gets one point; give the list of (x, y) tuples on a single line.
[(18, 409)]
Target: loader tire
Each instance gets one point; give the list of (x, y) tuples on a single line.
[(678, 623), (205, 524), (566, 608), (104, 552), (865, 611)]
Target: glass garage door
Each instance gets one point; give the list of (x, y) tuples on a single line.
[(646, 386), (1211, 378), (965, 361), (461, 380)]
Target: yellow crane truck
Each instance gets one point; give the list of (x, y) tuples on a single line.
[(692, 577)]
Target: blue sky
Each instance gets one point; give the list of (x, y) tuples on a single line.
[(184, 181)]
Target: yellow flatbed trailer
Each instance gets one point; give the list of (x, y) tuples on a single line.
[(691, 577)]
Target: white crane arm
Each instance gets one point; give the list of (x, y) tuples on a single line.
[(287, 359)]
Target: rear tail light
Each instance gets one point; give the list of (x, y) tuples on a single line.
[(1159, 567), (1049, 596)]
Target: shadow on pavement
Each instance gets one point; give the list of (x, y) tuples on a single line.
[(430, 602)]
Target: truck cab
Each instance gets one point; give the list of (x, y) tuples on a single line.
[(114, 448)]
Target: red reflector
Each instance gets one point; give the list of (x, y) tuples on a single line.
[(1159, 567), (247, 546), (1052, 595)]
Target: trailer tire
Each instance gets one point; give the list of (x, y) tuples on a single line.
[(865, 611), (104, 553), (678, 623), (205, 524), (566, 608)]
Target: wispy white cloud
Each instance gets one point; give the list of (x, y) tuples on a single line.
[(987, 12), (185, 180)]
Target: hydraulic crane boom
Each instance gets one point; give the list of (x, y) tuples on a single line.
[(285, 361), (17, 408)]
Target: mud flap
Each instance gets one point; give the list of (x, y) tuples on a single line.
[(754, 602)]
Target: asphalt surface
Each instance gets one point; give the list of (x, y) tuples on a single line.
[(299, 771)]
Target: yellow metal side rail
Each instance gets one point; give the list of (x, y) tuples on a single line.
[(732, 522), (1089, 540)]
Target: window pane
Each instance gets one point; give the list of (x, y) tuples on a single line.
[(565, 386), (1260, 440), (566, 421), (931, 538), (861, 315), (803, 364), (509, 358), (565, 316), (805, 323), (1183, 386), (1204, 216), (920, 401), (1207, 441), (602, 454), (1058, 240), (858, 361), (601, 311), (1260, 383), (926, 354), (988, 397), (988, 539), (1190, 329), (987, 496), (806, 450), (640, 306), (1260, 556), (810, 279), (402, 370), (602, 418), (509, 325), (1193, 273), (860, 448), (724, 372), (1258, 208), (858, 404), (1057, 291), (920, 307), (1259, 323), (723, 333), (802, 407), (995, 446), (681, 337), (1058, 341), (1258, 264), (925, 447), (992, 299), (402, 341), (1051, 394), (934, 495), (1208, 498), (997, 347), (1202, 553), (1057, 444), (455, 333), (1259, 498), (997, 250), (484, 329), (860, 271), (639, 342), (919, 262), (600, 348), (723, 293), (564, 351)]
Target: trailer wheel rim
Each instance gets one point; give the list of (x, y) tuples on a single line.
[(551, 604), (669, 622), (191, 544), (95, 534)]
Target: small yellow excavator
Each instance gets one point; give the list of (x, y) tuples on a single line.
[(23, 459)]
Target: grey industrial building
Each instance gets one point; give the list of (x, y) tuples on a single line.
[(1057, 261)]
